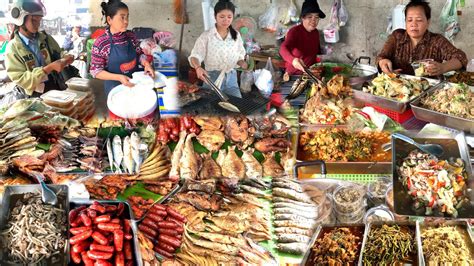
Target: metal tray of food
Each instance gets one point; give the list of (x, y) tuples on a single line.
[(462, 226), (127, 213), (14, 193), (416, 258), (356, 229), (339, 167), (454, 146), (386, 103), (439, 118)]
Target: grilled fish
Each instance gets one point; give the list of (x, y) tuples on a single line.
[(128, 163), (291, 194), (291, 238), (210, 169), (189, 164), (176, 156), (117, 152), (271, 167), (233, 166), (252, 167)]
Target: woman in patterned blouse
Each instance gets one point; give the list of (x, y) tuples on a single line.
[(221, 49), (404, 47), (116, 54)]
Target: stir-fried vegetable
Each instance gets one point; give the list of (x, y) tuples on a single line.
[(434, 184), (445, 245), (396, 88), (455, 99)]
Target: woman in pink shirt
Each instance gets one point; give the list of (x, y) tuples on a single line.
[(301, 45)]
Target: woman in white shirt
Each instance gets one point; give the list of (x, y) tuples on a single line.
[(221, 48)]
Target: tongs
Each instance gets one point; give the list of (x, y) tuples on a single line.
[(224, 103), (313, 77)]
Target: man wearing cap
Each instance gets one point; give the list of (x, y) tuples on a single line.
[(302, 45), (33, 59)]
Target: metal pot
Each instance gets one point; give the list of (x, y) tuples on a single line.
[(361, 73)]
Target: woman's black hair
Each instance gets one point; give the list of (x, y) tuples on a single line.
[(420, 3), (110, 8), (226, 5)]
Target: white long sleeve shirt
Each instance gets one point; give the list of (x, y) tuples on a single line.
[(217, 53)]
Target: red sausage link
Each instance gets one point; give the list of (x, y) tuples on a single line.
[(180, 229), (102, 263), (167, 225), (99, 255), (79, 247), (128, 250), (85, 219), (115, 221), (108, 226), (172, 241), (119, 259), (109, 249), (127, 228), (100, 238), (147, 230), (171, 219), (77, 222), (158, 212), (78, 230), (110, 208), (175, 214), (85, 258), (170, 232), (154, 217), (159, 207), (102, 219), (166, 247), (150, 223), (120, 209), (164, 253), (118, 240), (74, 213), (80, 237), (97, 207), (76, 257), (91, 213)]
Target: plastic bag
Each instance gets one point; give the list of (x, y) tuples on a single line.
[(269, 20), (13, 95), (290, 15), (449, 19), (149, 46), (331, 31), (246, 81), (343, 14), (264, 82)]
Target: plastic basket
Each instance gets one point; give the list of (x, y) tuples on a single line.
[(365, 178), (397, 117)]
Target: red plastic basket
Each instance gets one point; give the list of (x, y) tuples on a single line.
[(397, 117)]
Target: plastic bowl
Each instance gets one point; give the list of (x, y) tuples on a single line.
[(379, 213), (377, 190), (348, 198)]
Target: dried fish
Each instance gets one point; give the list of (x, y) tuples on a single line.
[(293, 248), (290, 238), (293, 230), (291, 194)]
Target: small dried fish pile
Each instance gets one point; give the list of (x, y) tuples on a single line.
[(203, 248), (35, 231), (296, 211), (445, 245), (337, 247), (126, 155), (388, 244), (15, 140), (107, 188)]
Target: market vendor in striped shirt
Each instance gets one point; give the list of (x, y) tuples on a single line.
[(116, 54), (417, 43)]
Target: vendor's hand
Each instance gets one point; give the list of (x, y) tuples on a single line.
[(57, 66), (201, 72), (149, 70), (68, 59), (298, 64), (386, 66), (434, 68), (125, 80)]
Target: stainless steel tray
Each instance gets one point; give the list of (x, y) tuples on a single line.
[(463, 226), (412, 226), (382, 168), (127, 213), (386, 103), (439, 118), (454, 146), (358, 228), (11, 195)]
